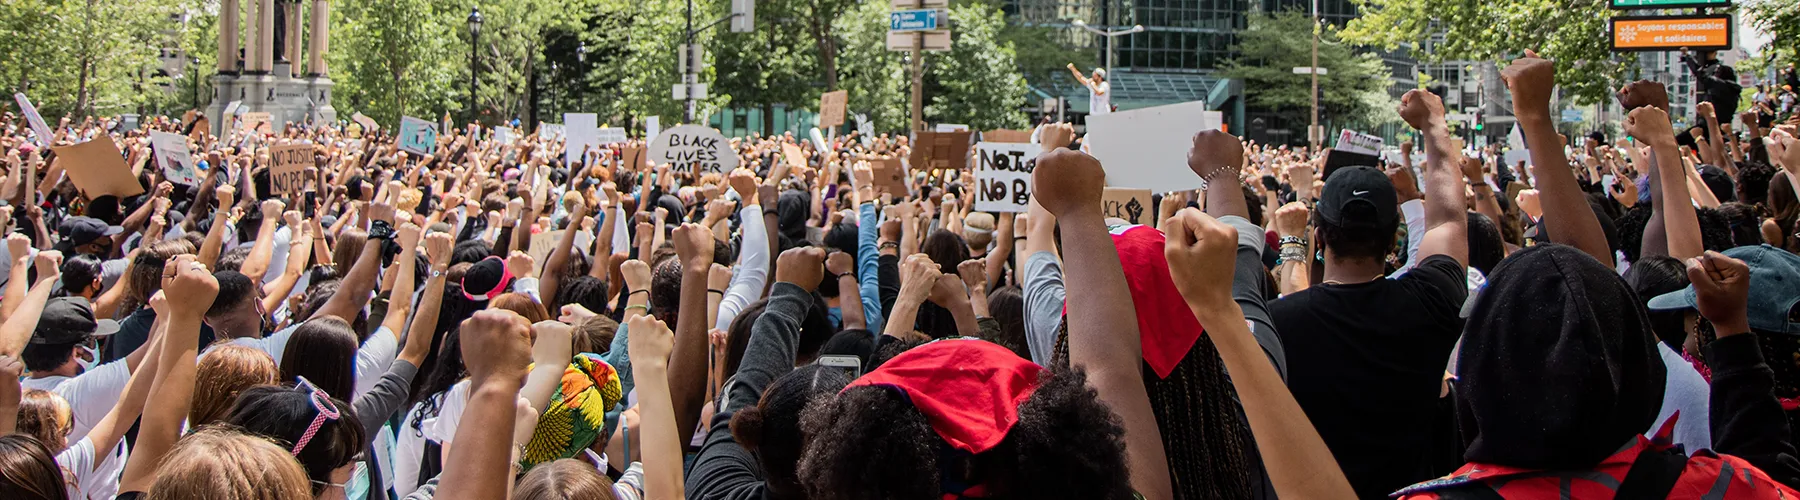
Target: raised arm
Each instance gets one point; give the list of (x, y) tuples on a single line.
[(173, 384), (1102, 325), (424, 322), (353, 293), (1200, 250), (17, 329), (105, 434), (300, 250), (687, 371), (1447, 228), (751, 274), (257, 263), (663, 428), (497, 349), (1651, 125), (215, 236), (18, 247)]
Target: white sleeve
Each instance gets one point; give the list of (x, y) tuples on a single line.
[(278, 256), (584, 240), (752, 270), (93, 394), (373, 360), (442, 428), (79, 460), (621, 233), (1414, 213), (460, 216), (528, 287)]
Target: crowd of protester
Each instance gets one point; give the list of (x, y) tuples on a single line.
[(1612, 318)]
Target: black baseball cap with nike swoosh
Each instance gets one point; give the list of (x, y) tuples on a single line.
[(1359, 197)]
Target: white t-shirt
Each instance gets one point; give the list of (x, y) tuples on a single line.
[(93, 480), (1100, 98), (90, 395), (410, 445), (372, 360)]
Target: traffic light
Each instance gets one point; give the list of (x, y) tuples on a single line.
[(1479, 122)]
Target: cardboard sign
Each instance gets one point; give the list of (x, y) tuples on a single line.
[(1147, 148), (287, 168), (935, 150), (234, 108), (890, 175), (1003, 176), (794, 156), (652, 127), (1132, 205), (831, 108), (368, 124), (1667, 33), (1358, 142), (611, 135), (632, 158), (38, 127), (1004, 135), (98, 168), (256, 123), (542, 244), (950, 127), (417, 136), (174, 158), (503, 135), (693, 148), (582, 131)]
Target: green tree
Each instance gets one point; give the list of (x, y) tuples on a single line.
[(770, 66), (875, 78), (399, 57), (1353, 88), (85, 57), (1571, 32), (1780, 19), (978, 79)]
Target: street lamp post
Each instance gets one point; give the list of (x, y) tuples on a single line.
[(194, 62), (474, 54), (1108, 35)]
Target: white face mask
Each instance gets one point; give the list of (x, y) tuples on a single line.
[(86, 357)]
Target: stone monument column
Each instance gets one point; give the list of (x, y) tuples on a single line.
[(265, 34), (290, 47), (321, 38), (228, 36), (253, 46)]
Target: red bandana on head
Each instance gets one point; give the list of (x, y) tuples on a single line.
[(969, 389), (1167, 329)]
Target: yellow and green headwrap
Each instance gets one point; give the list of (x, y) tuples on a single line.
[(576, 414)]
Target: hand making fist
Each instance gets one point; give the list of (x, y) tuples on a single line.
[(1068, 183), (1201, 251)]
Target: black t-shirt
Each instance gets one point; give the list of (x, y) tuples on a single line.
[(1365, 361)]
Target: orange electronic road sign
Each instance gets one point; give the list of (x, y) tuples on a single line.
[(1654, 33)]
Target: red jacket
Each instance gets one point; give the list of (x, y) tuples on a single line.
[(1707, 476)]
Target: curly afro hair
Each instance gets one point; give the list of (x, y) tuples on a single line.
[(870, 442)]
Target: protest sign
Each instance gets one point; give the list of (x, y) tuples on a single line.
[(793, 155), (1003, 176), (831, 108), (890, 175), (632, 158), (234, 108), (417, 136), (611, 135), (368, 124), (934, 150), (693, 148), (652, 127), (1131, 205), (174, 158), (503, 135), (129, 122), (1147, 148), (950, 127), (542, 243), (550, 131), (38, 127), (582, 131), (1358, 142), (257, 123), (97, 168), (1004, 135), (287, 168)]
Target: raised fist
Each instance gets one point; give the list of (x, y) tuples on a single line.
[(1068, 183), (1532, 81), (694, 244), (1650, 125), (1422, 109), (802, 266), (1216, 155), (496, 346), (1200, 251)]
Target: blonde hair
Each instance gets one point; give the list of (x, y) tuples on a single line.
[(409, 199), (46, 416), (224, 372), (218, 464)]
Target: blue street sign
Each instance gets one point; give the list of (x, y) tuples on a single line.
[(1572, 115), (914, 20)]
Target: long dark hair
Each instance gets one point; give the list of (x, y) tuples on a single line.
[(28, 471), (323, 350), (78, 274), (285, 414)]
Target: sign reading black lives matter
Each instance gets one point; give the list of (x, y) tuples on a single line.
[(288, 168), (693, 148), (1003, 176)]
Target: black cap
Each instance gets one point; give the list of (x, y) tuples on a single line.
[(78, 231), (68, 320), (1352, 187)]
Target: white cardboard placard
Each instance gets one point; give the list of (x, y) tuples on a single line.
[(1147, 148), (1003, 176)]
